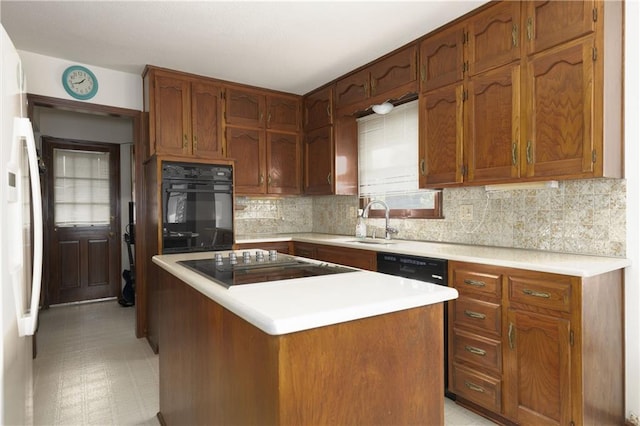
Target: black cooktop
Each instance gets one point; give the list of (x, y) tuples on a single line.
[(229, 271)]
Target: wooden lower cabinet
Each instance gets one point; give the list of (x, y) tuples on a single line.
[(363, 259), (280, 246), (535, 348), (217, 369)]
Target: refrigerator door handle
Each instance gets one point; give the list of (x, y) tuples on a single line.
[(27, 321)]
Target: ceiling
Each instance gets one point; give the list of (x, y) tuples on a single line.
[(292, 46)]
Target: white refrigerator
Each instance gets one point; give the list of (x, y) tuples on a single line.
[(20, 242)]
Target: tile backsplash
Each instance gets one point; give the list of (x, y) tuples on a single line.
[(580, 216)]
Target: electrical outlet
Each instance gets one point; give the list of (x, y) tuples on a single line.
[(466, 212)]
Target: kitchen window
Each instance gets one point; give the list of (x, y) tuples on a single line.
[(388, 165)]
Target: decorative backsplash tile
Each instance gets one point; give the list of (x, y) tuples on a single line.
[(580, 216)]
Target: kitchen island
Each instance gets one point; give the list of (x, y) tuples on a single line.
[(353, 348)]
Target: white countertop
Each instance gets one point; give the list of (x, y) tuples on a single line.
[(535, 260), (287, 306)]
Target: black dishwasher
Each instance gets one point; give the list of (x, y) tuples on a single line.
[(426, 269)]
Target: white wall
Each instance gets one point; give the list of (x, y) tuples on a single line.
[(115, 88), (632, 155)]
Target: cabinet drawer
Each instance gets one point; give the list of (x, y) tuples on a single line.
[(547, 293), (476, 280), (479, 388), (477, 314), (471, 348)]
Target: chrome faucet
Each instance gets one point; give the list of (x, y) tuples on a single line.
[(388, 230)]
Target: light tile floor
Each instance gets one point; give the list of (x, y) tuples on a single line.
[(91, 370)]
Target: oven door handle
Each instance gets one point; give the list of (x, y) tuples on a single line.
[(190, 191)]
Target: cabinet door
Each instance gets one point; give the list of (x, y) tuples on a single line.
[(494, 37), (394, 72), (172, 116), (283, 163), (441, 58), (538, 375), (441, 133), (318, 161), (318, 109), (244, 108), (205, 115), (560, 113), (492, 114), (283, 113), (550, 23), (247, 148), (353, 88)]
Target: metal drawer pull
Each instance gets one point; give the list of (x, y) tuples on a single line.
[(542, 294), (475, 283), (475, 351), (476, 315), (474, 387), (510, 335)]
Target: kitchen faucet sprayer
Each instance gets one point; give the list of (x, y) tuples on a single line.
[(388, 230)]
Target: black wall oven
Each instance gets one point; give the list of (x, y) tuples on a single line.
[(197, 207)]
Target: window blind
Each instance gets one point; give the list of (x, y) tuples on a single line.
[(388, 152), (81, 187)]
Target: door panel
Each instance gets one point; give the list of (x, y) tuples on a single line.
[(83, 258)]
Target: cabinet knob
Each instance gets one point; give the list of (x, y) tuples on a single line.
[(514, 154), (423, 170), (185, 142), (261, 179), (529, 28), (514, 35), (195, 143), (329, 178), (529, 156)]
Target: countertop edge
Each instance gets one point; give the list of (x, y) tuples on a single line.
[(580, 265), (285, 324)]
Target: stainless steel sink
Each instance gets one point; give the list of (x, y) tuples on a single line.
[(379, 241)]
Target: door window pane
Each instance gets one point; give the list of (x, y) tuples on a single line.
[(81, 187)]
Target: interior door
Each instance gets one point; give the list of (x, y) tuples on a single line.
[(82, 193)]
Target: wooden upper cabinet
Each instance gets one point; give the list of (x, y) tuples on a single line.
[(549, 23), (492, 136), (560, 139), (494, 37), (206, 105), (394, 72), (169, 117), (247, 148), (391, 77), (442, 58), (284, 163), (184, 116), (245, 108), (283, 113), (353, 88), (318, 109), (318, 161), (441, 137)]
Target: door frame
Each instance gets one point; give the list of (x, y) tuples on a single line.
[(140, 155)]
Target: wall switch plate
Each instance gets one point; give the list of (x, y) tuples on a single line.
[(466, 212)]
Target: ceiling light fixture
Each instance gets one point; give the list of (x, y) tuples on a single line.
[(383, 108)]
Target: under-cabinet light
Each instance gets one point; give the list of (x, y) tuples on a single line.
[(522, 185)]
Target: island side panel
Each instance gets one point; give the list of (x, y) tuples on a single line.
[(382, 370), (215, 368)]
